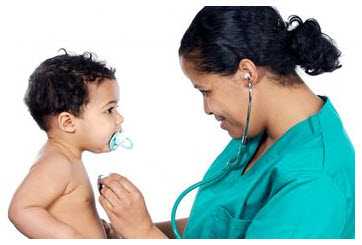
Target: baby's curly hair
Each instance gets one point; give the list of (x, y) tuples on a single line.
[(59, 84)]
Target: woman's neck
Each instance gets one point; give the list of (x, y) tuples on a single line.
[(287, 106)]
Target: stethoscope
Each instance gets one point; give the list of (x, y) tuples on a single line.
[(230, 165)]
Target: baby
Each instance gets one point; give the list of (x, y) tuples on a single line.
[(74, 99)]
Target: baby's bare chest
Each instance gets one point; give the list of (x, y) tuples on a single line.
[(78, 193)]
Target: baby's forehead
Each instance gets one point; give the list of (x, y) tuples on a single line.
[(103, 92)]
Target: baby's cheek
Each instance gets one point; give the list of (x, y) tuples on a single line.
[(99, 138), (104, 139)]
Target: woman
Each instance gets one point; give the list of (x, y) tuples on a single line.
[(288, 172)]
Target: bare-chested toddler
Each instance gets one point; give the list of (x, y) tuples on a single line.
[(74, 99)]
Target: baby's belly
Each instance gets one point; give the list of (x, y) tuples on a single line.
[(81, 215)]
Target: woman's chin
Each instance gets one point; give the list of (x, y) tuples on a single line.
[(236, 134)]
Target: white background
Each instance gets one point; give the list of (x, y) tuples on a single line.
[(174, 140)]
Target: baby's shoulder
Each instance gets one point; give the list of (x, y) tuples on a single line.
[(53, 163)]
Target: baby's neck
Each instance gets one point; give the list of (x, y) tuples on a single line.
[(66, 148)]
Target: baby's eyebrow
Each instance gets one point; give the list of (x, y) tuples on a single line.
[(111, 102)]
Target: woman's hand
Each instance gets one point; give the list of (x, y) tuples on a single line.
[(110, 233), (126, 209)]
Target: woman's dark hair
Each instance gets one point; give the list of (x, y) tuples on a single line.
[(59, 84), (219, 37)]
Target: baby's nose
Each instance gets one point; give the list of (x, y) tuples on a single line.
[(119, 119)]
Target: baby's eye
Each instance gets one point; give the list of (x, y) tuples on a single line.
[(110, 110)]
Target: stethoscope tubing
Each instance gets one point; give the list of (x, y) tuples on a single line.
[(229, 166)]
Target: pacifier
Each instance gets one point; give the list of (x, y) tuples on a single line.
[(120, 139)]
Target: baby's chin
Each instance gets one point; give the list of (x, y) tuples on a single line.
[(100, 149)]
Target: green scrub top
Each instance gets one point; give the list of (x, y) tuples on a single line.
[(302, 187)]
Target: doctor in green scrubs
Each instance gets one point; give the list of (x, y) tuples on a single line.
[(292, 171)]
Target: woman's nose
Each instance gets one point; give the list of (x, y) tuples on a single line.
[(206, 107)]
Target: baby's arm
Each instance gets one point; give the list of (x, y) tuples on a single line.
[(46, 182)]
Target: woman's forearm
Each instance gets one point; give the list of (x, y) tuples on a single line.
[(166, 228)]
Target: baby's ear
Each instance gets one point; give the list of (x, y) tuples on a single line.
[(66, 122)]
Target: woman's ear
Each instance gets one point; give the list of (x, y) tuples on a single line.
[(66, 122), (247, 71)]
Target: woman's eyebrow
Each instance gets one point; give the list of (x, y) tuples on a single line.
[(197, 86)]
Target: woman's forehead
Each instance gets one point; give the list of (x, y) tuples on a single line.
[(202, 79)]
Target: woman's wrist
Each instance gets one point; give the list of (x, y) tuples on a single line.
[(156, 233), (152, 233)]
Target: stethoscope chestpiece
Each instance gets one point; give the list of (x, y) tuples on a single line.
[(99, 183), (232, 163), (235, 162)]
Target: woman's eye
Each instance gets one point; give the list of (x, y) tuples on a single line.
[(204, 92)]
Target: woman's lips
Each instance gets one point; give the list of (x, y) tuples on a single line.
[(222, 120), (222, 124)]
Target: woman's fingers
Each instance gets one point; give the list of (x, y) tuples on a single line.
[(116, 178), (117, 197), (117, 188), (125, 206), (128, 185), (108, 208), (105, 203), (121, 193)]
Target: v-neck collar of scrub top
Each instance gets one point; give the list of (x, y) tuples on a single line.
[(276, 197), (294, 136)]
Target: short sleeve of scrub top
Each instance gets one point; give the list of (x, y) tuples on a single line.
[(302, 187)]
